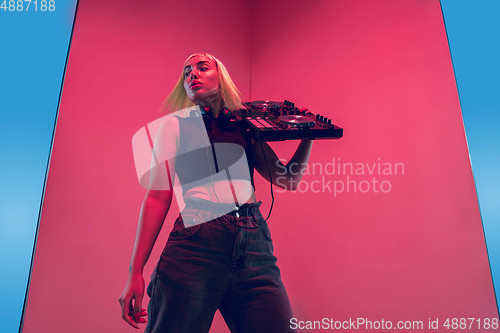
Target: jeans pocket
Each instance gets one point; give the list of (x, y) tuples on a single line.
[(181, 232)]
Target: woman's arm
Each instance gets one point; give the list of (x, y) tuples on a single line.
[(153, 212), (284, 176)]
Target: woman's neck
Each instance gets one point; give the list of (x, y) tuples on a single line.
[(214, 103)]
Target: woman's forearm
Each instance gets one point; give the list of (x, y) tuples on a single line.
[(272, 169), (153, 212), (301, 155), (297, 164)]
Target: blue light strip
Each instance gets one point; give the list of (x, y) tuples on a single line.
[(34, 43)]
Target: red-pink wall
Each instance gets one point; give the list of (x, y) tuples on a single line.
[(381, 70)]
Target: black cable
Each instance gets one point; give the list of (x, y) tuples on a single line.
[(270, 181), (208, 127), (216, 168)]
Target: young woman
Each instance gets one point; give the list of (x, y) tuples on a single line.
[(225, 263)]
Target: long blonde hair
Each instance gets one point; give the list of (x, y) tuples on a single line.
[(231, 96)]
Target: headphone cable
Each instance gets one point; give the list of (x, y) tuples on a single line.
[(208, 116), (270, 180)]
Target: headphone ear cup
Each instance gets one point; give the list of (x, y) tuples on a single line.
[(224, 119)]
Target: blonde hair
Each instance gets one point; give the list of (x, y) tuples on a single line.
[(231, 96)]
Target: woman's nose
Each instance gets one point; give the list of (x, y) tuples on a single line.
[(193, 74)]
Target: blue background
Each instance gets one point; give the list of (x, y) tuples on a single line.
[(33, 57), (34, 47)]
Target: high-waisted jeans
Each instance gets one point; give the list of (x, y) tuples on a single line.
[(226, 264)]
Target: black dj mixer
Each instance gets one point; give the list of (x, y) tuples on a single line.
[(278, 121)]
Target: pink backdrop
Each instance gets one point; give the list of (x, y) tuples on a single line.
[(381, 70)]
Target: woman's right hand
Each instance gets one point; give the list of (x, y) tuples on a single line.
[(153, 212), (131, 300)]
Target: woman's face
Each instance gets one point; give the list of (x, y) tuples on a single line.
[(201, 80)]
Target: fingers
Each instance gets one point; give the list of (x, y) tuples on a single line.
[(128, 313), (126, 305), (138, 306), (139, 318), (131, 301)]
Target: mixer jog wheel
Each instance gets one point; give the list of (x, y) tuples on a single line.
[(296, 121)]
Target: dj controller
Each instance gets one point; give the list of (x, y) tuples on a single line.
[(278, 121)]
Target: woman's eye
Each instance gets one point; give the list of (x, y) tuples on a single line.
[(204, 69), (186, 74)]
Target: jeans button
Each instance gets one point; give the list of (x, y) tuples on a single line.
[(237, 214)]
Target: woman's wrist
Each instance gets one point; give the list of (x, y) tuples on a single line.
[(132, 270), (306, 141)]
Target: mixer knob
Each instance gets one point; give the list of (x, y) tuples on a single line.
[(329, 121), (317, 117)]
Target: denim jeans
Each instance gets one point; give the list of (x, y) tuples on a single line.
[(226, 264)]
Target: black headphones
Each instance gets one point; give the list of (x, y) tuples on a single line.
[(224, 119)]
